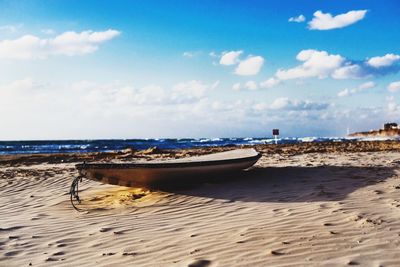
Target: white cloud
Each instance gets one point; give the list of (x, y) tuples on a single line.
[(236, 87), (116, 97), (11, 28), (250, 66), (190, 91), (288, 104), (191, 54), (147, 95), (230, 58), (260, 107), (16, 87), (187, 54), (68, 43), (343, 93), (325, 21), (300, 18), (213, 54), (125, 95), (367, 85), (349, 71), (247, 67), (394, 87), (393, 108), (384, 61), (48, 31), (251, 85), (360, 88), (280, 103), (271, 82), (315, 64), (321, 64)]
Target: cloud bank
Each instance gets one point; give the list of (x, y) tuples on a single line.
[(83, 108)]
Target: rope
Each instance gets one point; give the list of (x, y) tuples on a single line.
[(74, 190)]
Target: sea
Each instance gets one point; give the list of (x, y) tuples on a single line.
[(108, 145)]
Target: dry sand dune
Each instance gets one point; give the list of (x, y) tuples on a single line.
[(329, 209)]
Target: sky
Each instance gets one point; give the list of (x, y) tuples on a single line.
[(191, 69)]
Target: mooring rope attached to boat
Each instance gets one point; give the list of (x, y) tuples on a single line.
[(74, 190)]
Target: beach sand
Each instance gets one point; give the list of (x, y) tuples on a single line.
[(301, 205)]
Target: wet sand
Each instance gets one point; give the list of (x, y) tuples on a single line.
[(330, 204)]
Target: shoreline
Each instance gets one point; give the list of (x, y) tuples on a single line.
[(112, 146)]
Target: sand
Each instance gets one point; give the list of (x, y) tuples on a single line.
[(332, 207)]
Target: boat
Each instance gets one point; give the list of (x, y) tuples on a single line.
[(160, 171)]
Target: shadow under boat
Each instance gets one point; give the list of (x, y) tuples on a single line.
[(270, 184), (281, 184)]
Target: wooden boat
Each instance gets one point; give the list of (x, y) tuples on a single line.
[(147, 173), (151, 173)]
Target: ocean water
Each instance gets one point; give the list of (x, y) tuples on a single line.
[(73, 146)]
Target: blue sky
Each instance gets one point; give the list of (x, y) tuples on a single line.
[(145, 69)]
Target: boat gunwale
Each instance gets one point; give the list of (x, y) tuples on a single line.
[(91, 166)]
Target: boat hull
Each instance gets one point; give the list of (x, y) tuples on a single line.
[(153, 173)]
